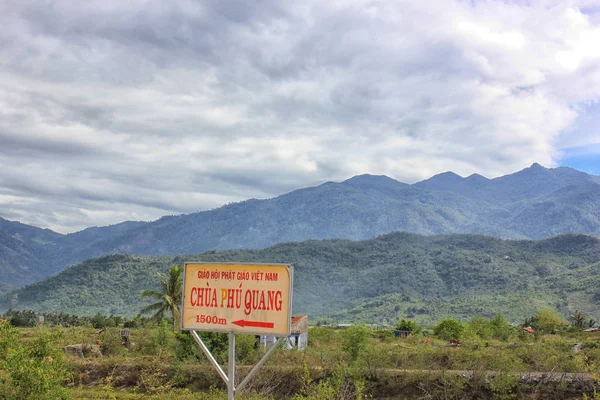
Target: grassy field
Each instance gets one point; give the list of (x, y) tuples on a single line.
[(354, 363)]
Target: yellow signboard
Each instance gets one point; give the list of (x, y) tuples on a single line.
[(241, 298)]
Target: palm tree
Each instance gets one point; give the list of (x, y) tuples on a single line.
[(579, 320), (169, 296)]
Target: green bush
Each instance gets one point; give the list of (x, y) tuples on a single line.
[(344, 383), (163, 334), (186, 347), (321, 336), (99, 321), (8, 338), (408, 325), (500, 328), (354, 340), (449, 329), (20, 321), (110, 343), (35, 370), (245, 349), (549, 320), (479, 327)]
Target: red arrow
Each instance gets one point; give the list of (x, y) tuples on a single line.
[(257, 324)]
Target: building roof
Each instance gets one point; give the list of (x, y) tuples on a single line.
[(297, 318), (299, 324)]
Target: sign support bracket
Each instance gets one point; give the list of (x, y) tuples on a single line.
[(260, 363), (229, 379), (210, 357)]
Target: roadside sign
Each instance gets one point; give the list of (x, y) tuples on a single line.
[(239, 298)]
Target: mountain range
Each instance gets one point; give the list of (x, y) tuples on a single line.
[(393, 276), (534, 203)]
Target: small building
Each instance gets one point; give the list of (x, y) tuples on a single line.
[(267, 340), (402, 334), (298, 335), (589, 330)]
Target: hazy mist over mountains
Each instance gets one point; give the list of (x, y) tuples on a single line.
[(533, 203)]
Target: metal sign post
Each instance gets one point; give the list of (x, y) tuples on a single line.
[(243, 298), (231, 367)]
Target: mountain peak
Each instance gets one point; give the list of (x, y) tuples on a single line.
[(448, 174), (474, 178), (537, 166), (534, 171), (447, 177), (533, 203), (370, 180)]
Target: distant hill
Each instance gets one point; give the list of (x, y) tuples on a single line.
[(29, 254), (390, 277), (23, 251), (531, 204), (509, 190)]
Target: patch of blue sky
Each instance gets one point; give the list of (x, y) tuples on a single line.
[(580, 145), (585, 159)]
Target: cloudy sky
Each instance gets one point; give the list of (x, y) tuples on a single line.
[(130, 110)]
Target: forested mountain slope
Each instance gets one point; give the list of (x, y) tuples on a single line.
[(533, 203), (390, 277)]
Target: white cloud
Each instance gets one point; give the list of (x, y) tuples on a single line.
[(131, 110)]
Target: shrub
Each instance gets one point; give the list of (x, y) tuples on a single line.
[(156, 340), (500, 328), (354, 340), (110, 343), (163, 333), (321, 336), (8, 338), (408, 325), (245, 349), (480, 327), (549, 320), (344, 383), (34, 370), (449, 329), (20, 321), (99, 321), (186, 347)]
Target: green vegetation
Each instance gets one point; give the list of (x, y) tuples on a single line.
[(580, 320), (534, 203), (32, 370), (109, 285), (449, 329), (29, 254), (355, 340), (169, 296), (549, 321), (422, 278), (353, 363), (408, 325)]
